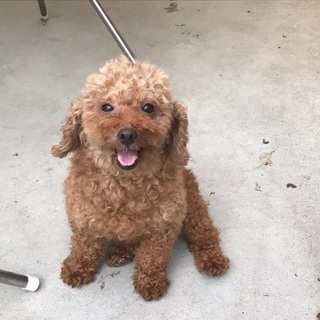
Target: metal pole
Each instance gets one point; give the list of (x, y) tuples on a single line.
[(23, 281), (43, 10), (114, 32)]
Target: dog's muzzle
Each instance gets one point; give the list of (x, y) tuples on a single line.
[(127, 157)]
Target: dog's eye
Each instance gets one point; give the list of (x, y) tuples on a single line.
[(148, 108), (107, 107)]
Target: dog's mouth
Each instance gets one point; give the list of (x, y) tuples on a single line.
[(127, 158)]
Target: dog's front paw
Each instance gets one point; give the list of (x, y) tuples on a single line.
[(151, 287), (76, 274), (211, 263)]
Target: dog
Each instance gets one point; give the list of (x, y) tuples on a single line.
[(128, 180)]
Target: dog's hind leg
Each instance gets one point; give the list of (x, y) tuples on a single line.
[(121, 255), (202, 235)]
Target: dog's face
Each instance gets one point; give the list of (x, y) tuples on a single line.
[(127, 112)]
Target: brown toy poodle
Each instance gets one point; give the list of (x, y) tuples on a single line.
[(128, 182)]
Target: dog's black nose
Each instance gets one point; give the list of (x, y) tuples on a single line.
[(127, 136)]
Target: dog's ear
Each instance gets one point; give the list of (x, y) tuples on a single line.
[(178, 139), (70, 132)]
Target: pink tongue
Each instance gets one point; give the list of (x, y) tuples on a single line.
[(128, 158)]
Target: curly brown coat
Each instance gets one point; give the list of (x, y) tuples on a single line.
[(128, 180)]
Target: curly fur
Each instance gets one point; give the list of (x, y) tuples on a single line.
[(144, 209)]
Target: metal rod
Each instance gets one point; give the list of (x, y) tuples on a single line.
[(114, 32), (43, 10), (22, 281)]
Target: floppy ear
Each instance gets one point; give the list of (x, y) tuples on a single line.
[(70, 132), (178, 140)]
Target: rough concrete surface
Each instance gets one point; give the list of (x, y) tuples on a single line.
[(249, 72)]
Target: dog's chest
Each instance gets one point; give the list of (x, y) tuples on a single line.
[(127, 209)]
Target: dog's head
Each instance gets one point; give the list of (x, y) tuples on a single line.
[(126, 112)]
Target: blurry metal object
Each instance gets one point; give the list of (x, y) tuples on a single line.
[(114, 32), (23, 281), (43, 10), (105, 19)]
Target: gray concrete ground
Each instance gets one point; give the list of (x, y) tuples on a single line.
[(249, 72)]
